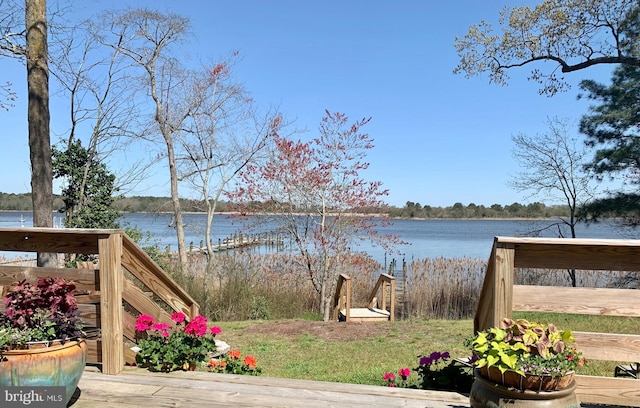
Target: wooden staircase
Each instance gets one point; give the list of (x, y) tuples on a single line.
[(376, 308)]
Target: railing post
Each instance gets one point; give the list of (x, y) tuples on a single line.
[(503, 284), (392, 300), (111, 283), (347, 306), (383, 303)]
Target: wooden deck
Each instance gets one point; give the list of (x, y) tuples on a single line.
[(140, 388)]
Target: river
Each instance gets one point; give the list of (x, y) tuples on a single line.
[(449, 238)]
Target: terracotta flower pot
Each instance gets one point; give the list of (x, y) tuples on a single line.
[(58, 365), (528, 382)]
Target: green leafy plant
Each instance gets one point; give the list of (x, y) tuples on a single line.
[(527, 348), (182, 347), (40, 313)]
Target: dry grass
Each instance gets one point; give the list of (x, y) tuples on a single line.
[(250, 285)]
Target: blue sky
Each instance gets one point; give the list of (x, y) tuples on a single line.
[(439, 138)]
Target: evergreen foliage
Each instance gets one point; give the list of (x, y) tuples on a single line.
[(611, 128), (89, 188)]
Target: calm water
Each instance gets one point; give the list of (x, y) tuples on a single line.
[(426, 238)]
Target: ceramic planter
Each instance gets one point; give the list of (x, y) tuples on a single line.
[(486, 393), (56, 365)]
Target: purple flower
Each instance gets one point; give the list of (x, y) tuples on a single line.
[(425, 361)]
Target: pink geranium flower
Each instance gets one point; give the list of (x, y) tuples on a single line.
[(404, 373), (144, 322), (197, 326), (163, 328), (178, 317)]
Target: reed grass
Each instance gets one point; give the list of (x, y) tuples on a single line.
[(249, 285)]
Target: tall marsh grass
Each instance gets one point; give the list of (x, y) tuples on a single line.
[(246, 285), (442, 288)]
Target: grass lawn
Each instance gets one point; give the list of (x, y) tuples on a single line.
[(361, 353)]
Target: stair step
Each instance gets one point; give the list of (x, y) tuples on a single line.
[(360, 314)]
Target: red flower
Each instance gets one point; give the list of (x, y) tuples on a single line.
[(250, 361), (234, 354), (404, 373), (215, 330)]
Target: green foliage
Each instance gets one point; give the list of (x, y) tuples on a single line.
[(459, 210), (570, 35), (612, 128), (259, 308), (526, 348), (89, 188)]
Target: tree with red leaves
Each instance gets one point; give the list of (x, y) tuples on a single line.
[(314, 191)]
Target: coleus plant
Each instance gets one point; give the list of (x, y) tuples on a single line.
[(42, 312), (526, 348)]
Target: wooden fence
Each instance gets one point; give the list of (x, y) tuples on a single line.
[(127, 282), (500, 297)]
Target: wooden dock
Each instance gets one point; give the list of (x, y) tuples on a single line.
[(140, 388), (239, 241)]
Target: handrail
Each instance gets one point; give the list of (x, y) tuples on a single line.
[(108, 286), (385, 281), (339, 300), (500, 297)]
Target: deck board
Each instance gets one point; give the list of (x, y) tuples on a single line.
[(139, 388)]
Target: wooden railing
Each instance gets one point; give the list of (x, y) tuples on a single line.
[(126, 282), (500, 297), (388, 285), (342, 297), (342, 309)]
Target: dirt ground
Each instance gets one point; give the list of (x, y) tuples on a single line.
[(328, 331)]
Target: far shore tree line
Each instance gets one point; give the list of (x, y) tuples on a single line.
[(150, 204)]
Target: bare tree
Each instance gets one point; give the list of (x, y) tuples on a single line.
[(224, 135), (7, 96), (147, 38), (554, 167), (100, 95)]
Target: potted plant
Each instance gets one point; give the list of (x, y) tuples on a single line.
[(525, 357), (164, 348), (41, 336)]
